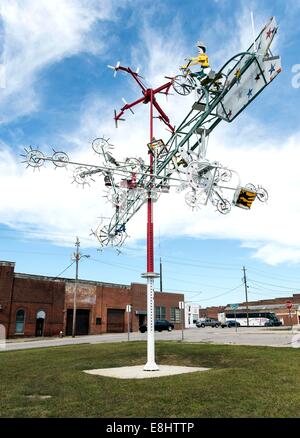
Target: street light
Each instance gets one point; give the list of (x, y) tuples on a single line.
[(77, 256)]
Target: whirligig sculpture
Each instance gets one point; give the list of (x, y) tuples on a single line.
[(181, 161)]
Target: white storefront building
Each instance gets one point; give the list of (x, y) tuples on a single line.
[(191, 314)]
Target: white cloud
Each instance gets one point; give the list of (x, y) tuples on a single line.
[(47, 200), (38, 34)]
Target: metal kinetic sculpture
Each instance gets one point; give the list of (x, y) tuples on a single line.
[(181, 161)]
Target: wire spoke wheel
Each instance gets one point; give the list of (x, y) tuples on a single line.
[(251, 187), (34, 158), (223, 206), (107, 237), (60, 159), (193, 199), (225, 175), (133, 163), (262, 194), (101, 146), (199, 174), (182, 85), (82, 176), (117, 197)]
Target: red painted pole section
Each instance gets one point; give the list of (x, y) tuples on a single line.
[(150, 239)]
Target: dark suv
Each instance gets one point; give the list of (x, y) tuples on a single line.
[(230, 323), (159, 325)]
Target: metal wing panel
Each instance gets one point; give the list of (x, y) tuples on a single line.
[(247, 86), (265, 38)]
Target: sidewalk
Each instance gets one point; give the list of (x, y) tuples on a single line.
[(40, 338), (263, 336)]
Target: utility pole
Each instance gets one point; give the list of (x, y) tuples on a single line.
[(246, 293), (77, 256), (160, 275)]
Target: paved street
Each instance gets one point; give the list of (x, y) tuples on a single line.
[(243, 336)]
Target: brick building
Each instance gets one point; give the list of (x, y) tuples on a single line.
[(211, 312), (274, 305), (32, 305)]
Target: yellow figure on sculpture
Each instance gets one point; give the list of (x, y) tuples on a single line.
[(201, 59)]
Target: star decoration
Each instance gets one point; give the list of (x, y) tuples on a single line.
[(259, 46), (229, 114), (257, 78), (249, 94), (272, 68), (237, 74), (269, 33)]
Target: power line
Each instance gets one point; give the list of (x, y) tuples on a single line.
[(225, 293), (183, 290), (116, 265), (64, 270), (274, 285), (261, 295), (200, 279), (264, 274), (197, 265), (272, 291), (203, 263), (49, 233), (34, 252)]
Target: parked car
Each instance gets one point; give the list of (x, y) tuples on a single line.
[(159, 325), (273, 323), (207, 322), (230, 323)]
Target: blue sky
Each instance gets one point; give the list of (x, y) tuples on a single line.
[(59, 93)]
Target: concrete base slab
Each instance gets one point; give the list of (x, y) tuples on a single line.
[(137, 372)]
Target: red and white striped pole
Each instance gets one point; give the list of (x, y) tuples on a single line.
[(150, 274)]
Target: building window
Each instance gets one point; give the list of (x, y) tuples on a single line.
[(20, 318), (41, 314), (40, 323), (175, 314), (160, 312)]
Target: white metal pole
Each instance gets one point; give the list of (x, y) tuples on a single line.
[(253, 32), (151, 364)]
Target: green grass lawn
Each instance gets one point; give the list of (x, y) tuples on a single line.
[(243, 382)]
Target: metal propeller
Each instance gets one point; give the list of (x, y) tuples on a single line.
[(115, 68)]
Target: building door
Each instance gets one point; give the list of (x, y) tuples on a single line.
[(115, 320), (39, 327), (82, 322), (142, 320), (40, 323)]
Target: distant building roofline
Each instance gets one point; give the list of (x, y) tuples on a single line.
[(7, 263), (69, 280), (261, 306)]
